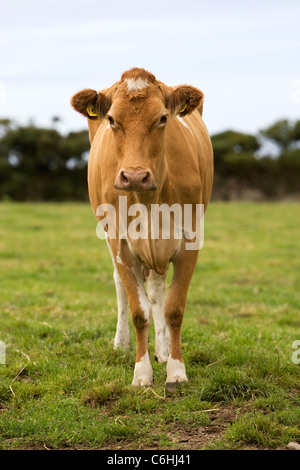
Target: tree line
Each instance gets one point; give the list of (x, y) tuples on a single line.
[(42, 164)]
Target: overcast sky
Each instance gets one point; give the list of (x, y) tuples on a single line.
[(243, 55)]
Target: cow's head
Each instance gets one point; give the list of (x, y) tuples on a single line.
[(137, 110)]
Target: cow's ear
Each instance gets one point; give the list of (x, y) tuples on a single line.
[(184, 99), (91, 104)]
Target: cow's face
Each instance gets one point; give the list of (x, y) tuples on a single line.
[(138, 126), (137, 110)]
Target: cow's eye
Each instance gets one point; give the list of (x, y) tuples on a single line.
[(111, 120), (163, 119)]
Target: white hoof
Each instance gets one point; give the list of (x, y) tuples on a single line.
[(143, 372), (175, 371)]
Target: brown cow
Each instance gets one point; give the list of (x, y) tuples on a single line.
[(149, 144)]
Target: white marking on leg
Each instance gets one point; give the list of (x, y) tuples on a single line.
[(175, 371), (122, 337), (136, 84), (156, 295), (143, 299), (144, 302), (143, 373)]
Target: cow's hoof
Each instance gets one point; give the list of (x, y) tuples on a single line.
[(122, 342), (122, 346), (143, 373), (161, 358), (175, 371), (142, 382), (173, 387)]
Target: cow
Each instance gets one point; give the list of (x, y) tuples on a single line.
[(150, 145)]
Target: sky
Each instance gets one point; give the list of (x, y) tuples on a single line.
[(244, 56)]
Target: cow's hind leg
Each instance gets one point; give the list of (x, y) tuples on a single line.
[(156, 289), (122, 337)]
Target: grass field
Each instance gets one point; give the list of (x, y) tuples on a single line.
[(63, 384)]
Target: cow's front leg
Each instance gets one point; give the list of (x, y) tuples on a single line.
[(184, 265), (130, 270), (143, 372), (141, 317)]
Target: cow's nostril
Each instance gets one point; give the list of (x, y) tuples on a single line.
[(145, 180), (123, 178)]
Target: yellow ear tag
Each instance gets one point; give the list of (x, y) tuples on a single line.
[(183, 108), (91, 110)]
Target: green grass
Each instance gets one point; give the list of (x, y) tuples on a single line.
[(63, 384)]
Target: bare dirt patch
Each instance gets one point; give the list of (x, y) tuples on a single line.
[(197, 438)]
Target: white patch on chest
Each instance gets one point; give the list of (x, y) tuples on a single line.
[(136, 84), (182, 121)]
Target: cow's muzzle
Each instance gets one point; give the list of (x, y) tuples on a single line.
[(129, 179)]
